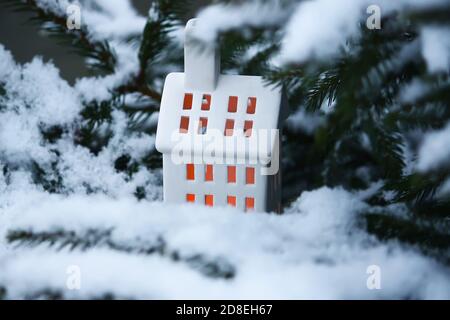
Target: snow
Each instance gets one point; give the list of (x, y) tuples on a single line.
[(105, 19), (115, 21), (306, 122), (435, 149), (338, 23), (444, 191), (81, 172), (100, 88), (56, 7), (103, 272), (38, 98), (112, 20), (7, 63), (436, 48), (216, 18), (127, 66), (139, 146), (317, 249), (313, 251), (109, 19), (413, 91), (48, 98), (303, 39)]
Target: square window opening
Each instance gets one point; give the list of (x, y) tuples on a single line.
[(206, 102), (187, 102), (251, 105), (248, 127), (250, 175), (202, 125), (190, 171), (232, 103), (249, 204), (184, 124), (229, 127), (209, 172), (231, 174), (231, 200), (190, 197), (209, 200)]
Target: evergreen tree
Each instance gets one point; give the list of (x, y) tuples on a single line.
[(368, 137)]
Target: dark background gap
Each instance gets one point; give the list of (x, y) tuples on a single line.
[(25, 41)]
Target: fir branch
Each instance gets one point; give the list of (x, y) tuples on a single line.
[(418, 188), (211, 267), (99, 55), (439, 94), (94, 131), (164, 16), (54, 294), (429, 238), (258, 64), (288, 77), (139, 84), (234, 45), (425, 118), (49, 178), (2, 90), (139, 120), (388, 150), (325, 87)]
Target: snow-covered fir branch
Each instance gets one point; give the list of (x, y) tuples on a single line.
[(366, 176)]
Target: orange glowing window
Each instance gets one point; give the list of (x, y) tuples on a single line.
[(232, 103), (231, 200), (190, 197), (190, 171), (187, 103), (251, 105), (209, 200), (229, 126), (202, 125), (206, 102), (250, 175), (248, 126), (249, 203), (209, 172), (184, 124), (231, 174)]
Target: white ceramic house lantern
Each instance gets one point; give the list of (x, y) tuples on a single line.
[(219, 135)]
